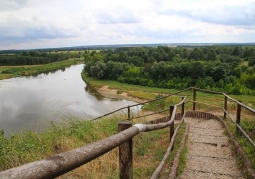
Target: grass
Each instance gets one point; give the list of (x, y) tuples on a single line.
[(215, 105), (150, 93), (130, 89), (166, 168), (248, 126), (69, 134), (148, 148), (182, 163), (27, 70), (159, 105)]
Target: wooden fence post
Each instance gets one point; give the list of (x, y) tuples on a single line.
[(171, 125), (182, 107), (125, 154), (238, 116), (194, 99), (128, 113), (225, 106)]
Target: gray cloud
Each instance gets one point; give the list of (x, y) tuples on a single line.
[(20, 2), (25, 23), (10, 5), (227, 15), (30, 34)]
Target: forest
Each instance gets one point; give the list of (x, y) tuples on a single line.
[(35, 58), (221, 68)]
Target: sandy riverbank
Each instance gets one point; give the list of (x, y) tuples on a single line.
[(112, 93)]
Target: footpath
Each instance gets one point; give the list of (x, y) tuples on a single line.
[(209, 152)]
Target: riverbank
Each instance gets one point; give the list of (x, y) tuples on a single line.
[(110, 88), (113, 93), (7, 72)]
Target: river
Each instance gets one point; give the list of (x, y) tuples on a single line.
[(31, 102)]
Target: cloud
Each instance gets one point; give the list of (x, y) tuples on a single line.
[(55, 23), (16, 31), (112, 17), (10, 5), (226, 14)]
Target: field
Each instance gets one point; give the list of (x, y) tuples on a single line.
[(26, 70)]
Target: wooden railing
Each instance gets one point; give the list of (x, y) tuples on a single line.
[(139, 104), (62, 163), (238, 111)]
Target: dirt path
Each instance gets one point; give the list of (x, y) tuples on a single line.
[(209, 152)]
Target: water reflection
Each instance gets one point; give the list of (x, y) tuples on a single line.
[(94, 92), (30, 102)]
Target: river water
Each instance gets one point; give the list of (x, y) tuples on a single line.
[(31, 102)]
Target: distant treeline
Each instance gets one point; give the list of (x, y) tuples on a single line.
[(105, 47), (34, 58), (228, 68)]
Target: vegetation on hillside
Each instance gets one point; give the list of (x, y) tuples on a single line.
[(35, 58), (27, 70), (216, 68), (214, 105), (228, 69)]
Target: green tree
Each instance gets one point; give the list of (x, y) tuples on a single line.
[(211, 55), (137, 61), (115, 69), (99, 70), (219, 74)]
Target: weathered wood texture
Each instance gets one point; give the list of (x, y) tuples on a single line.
[(125, 153), (67, 161)]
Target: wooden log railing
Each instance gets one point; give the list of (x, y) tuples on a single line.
[(62, 163), (139, 104), (239, 130)]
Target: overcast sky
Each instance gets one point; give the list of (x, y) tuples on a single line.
[(28, 24)]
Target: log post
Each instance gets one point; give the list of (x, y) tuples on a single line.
[(182, 107), (194, 99), (171, 125), (128, 112), (225, 106), (238, 116), (125, 154)]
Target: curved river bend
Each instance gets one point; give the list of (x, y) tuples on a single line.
[(31, 102)]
